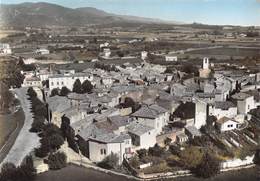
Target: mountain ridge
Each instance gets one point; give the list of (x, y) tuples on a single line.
[(47, 14)]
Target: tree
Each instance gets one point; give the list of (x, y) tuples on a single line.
[(37, 125), (31, 93), (134, 162), (68, 133), (64, 91), (27, 169), (156, 150), (87, 87), (57, 161), (77, 87), (54, 92), (25, 172), (142, 153), (110, 162), (129, 102), (55, 140), (209, 166), (257, 157), (191, 157)]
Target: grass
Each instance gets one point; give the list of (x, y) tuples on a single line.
[(8, 124)]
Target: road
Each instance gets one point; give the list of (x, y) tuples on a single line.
[(26, 141)]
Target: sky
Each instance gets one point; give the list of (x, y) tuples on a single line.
[(221, 12)]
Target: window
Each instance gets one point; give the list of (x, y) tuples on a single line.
[(62, 83), (58, 83), (230, 126), (103, 151), (52, 83)]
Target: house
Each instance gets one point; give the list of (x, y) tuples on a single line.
[(223, 109), (171, 58), (67, 80), (226, 124), (107, 52), (144, 55), (192, 132), (100, 146), (5, 49), (57, 106), (245, 102), (153, 116), (42, 51), (143, 137), (121, 122), (32, 82), (181, 137)]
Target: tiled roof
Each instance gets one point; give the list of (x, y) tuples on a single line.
[(138, 129), (150, 112)]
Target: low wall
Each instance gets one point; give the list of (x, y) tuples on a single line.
[(237, 162)]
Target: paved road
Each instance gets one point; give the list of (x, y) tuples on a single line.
[(26, 141)]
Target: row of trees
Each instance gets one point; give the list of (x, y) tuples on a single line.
[(40, 112), (51, 135), (82, 88), (63, 92)]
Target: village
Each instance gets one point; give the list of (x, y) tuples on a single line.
[(139, 99), (151, 118)]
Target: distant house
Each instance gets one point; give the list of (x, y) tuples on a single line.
[(67, 80), (101, 146), (42, 51), (226, 124), (153, 116), (5, 49), (32, 82), (181, 137), (171, 58)]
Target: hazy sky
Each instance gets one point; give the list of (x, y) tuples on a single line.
[(235, 12)]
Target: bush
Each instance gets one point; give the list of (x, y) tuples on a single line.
[(57, 161), (25, 172), (110, 162), (134, 162), (191, 157), (209, 166), (156, 151)]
